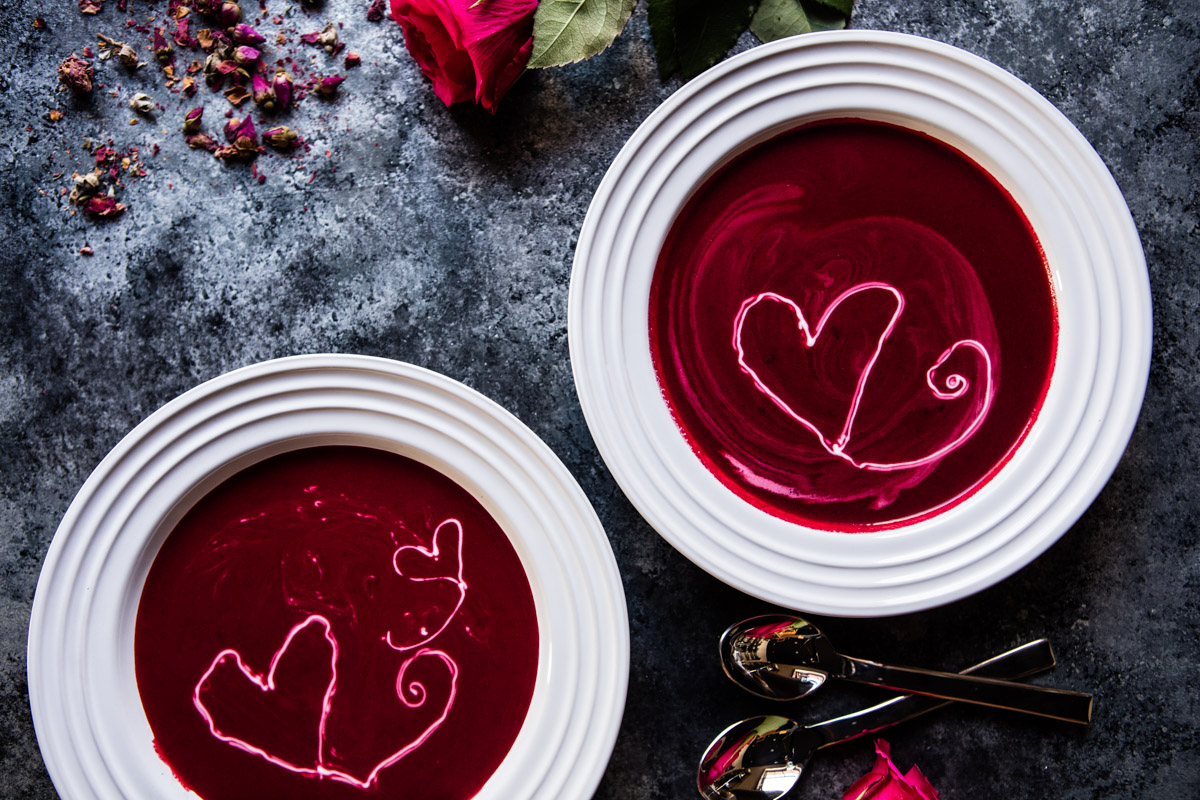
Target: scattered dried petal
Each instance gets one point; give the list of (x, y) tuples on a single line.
[(201, 141), (204, 38), (142, 103), (236, 94), (353, 60), (91, 6), (188, 86), (244, 34), (104, 206), (327, 87), (55, 115), (39, 23), (281, 85), (282, 137), (86, 251), (193, 119), (76, 74), (181, 36)]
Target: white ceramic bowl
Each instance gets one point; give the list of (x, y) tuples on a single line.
[(1098, 273), (86, 709)]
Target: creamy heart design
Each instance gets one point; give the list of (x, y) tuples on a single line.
[(440, 562), (955, 384), (305, 715)]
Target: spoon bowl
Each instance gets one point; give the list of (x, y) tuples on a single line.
[(776, 656), (755, 759)]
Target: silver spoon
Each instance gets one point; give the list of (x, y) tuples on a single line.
[(763, 758), (786, 658)]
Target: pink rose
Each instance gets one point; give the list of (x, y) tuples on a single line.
[(470, 49), (884, 781)]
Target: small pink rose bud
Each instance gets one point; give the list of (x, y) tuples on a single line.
[(162, 48), (246, 55), (192, 119), (263, 96), (230, 14), (328, 86), (281, 85), (244, 34), (353, 60), (283, 137)]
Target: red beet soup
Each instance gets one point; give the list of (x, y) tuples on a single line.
[(336, 622), (853, 325)]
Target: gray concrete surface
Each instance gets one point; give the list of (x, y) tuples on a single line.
[(444, 238)]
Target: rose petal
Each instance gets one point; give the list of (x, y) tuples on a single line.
[(885, 782)]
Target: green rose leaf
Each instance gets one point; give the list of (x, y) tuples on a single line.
[(827, 15), (692, 35), (776, 19), (661, 14), (566, 31)]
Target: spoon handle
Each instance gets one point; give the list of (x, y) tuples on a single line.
[(1020, 662), (1042, 701)]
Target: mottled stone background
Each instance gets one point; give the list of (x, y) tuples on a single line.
[(445, 238)]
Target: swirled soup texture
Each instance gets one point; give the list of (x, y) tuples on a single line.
[(853, 325), (336, 622)]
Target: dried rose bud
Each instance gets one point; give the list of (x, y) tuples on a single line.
[(86, 251), (328, 86), (376, 11), (246, 55), (142, 103), (128, 56), (192, 120), (237, 129), (91, 6), (201, 141), (230, 14), (282, 137), (84, 187), (353, 60), (76, 74), (244, 34), (162, 48), (236, 94), (263, 96), (281, 85)]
